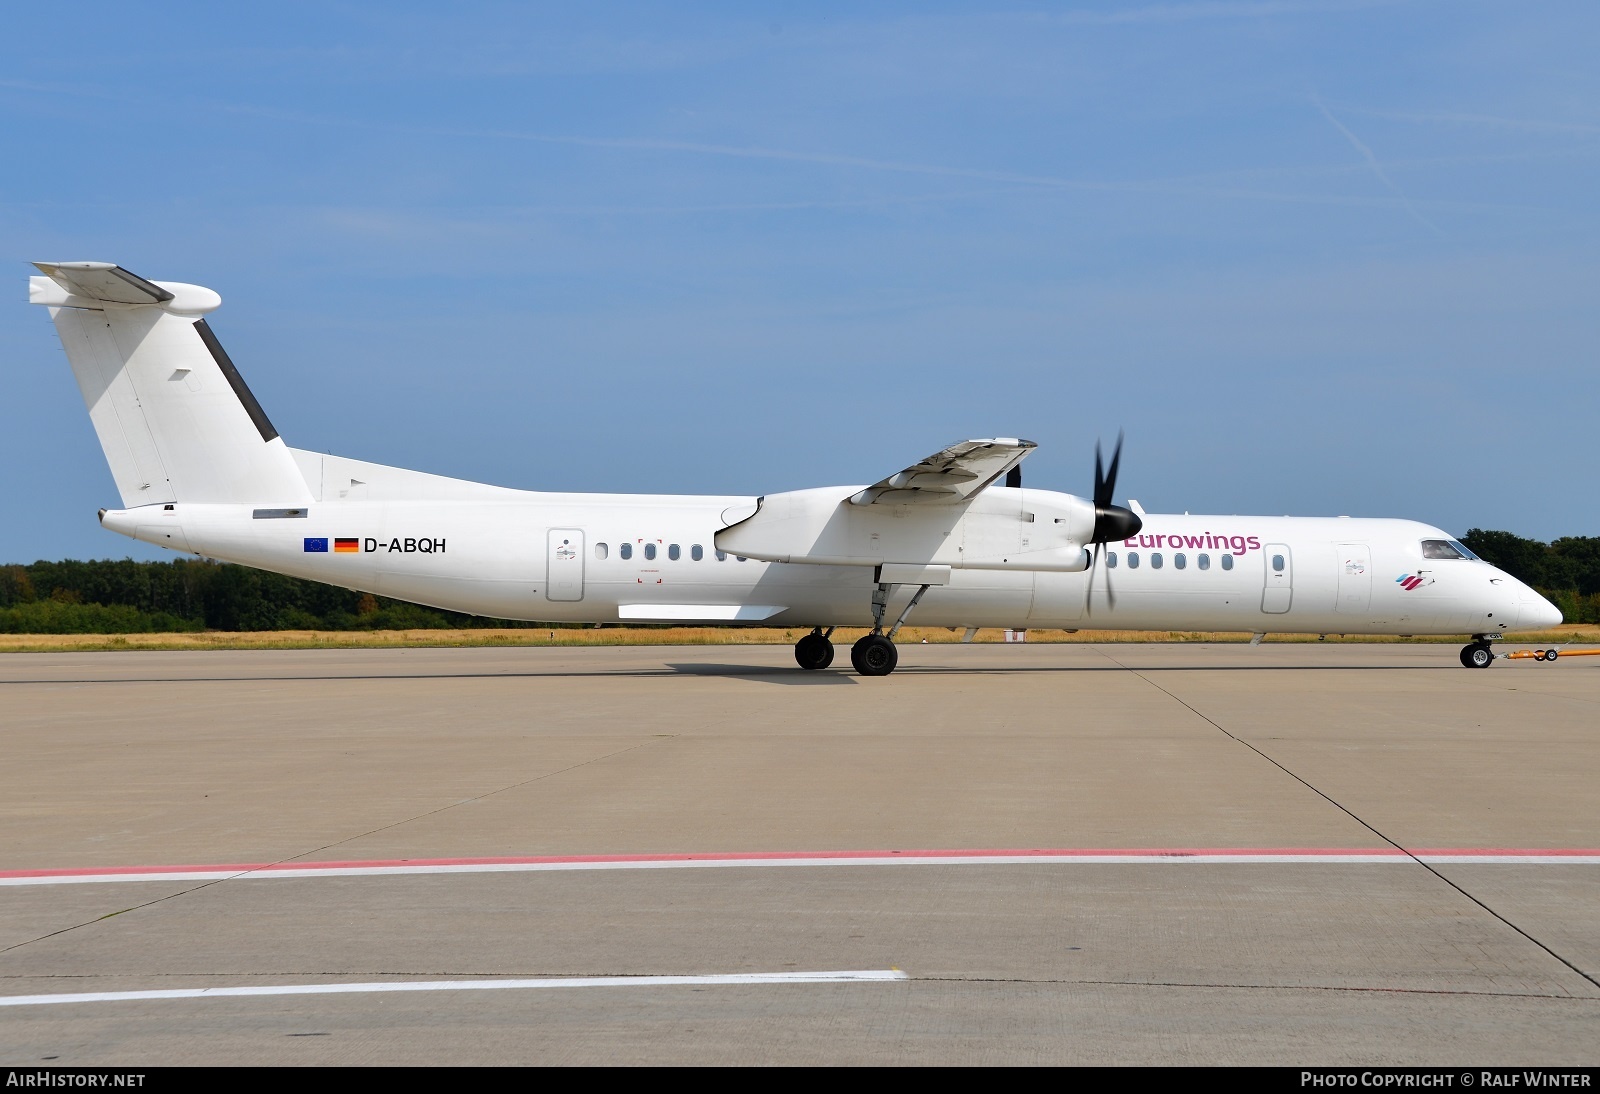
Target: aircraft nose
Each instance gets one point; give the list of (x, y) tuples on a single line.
[(1537, 612)]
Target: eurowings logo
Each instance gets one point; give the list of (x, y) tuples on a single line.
[(1412, 581)]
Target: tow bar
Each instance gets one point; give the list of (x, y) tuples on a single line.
[(1550, 655)]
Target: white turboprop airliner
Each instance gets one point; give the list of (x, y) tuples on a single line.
[(954, 537)]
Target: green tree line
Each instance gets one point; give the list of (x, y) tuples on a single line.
[(128, 597), (1566, 570)]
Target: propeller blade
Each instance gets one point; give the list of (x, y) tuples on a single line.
[(1095, 557), (1111, 521), (1088, 587), (1110, 483)]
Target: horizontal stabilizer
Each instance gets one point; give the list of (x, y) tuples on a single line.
[(104, 281), (95, 285)]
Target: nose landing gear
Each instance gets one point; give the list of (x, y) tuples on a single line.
[(1477, 654)]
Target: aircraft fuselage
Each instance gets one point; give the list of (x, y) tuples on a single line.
[(607, 558)]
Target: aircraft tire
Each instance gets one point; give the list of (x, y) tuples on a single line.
[(813, 652), (874, 655), (1477, 655)]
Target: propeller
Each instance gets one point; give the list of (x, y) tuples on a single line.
[(1111, 522)]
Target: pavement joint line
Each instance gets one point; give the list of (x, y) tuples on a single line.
[(296, 870), (1568, 997), (850, 976), (217, 880), (730, 670), (461, 980), (643, 673), (1347, 811)]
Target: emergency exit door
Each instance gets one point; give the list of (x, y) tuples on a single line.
[(564, 565), (1279, 590)]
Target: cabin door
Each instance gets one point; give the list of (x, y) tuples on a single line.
[(564, 565), (1279, 591), (1355, 579)]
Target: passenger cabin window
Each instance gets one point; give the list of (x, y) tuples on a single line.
[(1444, 548), (697, 552), (1133, 560), (1111, 560), (625, 550), (1155, 560), (1277, 564), (673, 552), (722, 556), (601, 550), (1227, 562), (1203, 561), (650, 551), (741, 558), (1178, 561)]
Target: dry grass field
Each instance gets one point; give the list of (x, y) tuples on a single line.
[(660, 636)]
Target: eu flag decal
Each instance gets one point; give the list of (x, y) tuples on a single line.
[(317, 546)]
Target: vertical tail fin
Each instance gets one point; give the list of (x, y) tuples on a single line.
[(173, 415)]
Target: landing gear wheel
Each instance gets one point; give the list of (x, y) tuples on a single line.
[(1477, 655), (874, 655), (813, 652)]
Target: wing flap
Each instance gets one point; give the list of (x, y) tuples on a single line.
[(697, 613)]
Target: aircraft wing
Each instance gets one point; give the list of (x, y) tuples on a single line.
[(950, 475)]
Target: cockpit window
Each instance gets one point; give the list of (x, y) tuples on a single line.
[(1444, 548), (1464, 549)]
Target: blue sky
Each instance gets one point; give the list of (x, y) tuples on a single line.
[(1315, 256)]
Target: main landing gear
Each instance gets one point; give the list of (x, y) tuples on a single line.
[(874, 654), (814, 651), (1477, 654)]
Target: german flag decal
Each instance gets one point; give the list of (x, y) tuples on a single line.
[(347, 546)]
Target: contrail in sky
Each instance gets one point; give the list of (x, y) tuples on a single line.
[(1377, 168), (1218, 9), (1181, 186)]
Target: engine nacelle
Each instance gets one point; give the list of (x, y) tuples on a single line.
[(1000, 529)]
